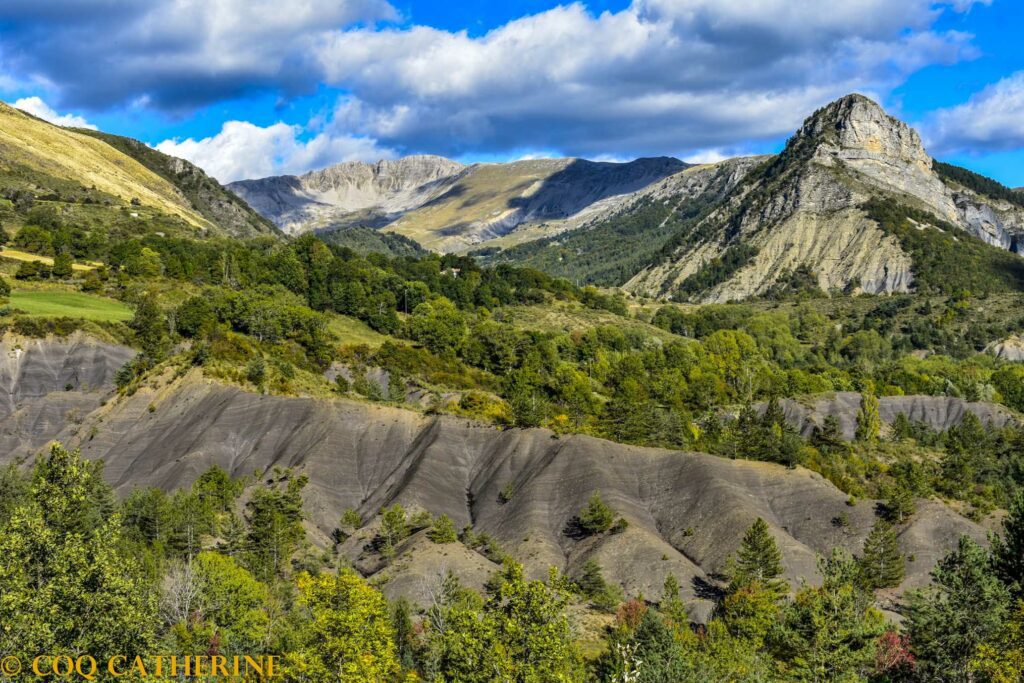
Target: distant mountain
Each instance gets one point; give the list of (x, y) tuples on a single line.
[(852, 203), (449, 207), (39, 160), (348, 194), (610, 241)]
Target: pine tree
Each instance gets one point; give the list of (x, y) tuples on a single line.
[(881, 565), (758, 560), (671, 604), (869, 424), (1008, 549), (965, 607), (597, 516), (443, 530), (899, 503)]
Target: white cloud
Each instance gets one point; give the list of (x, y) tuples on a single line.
[(36, 107), (991, 120), (707, 156), (178, 53), (243, 150), (657, 76), (661, 74)]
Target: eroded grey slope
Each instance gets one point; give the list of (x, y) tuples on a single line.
[(687, 511)]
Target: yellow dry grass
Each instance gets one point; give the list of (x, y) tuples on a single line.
[(6, 252), (483, 195), (63, 153)]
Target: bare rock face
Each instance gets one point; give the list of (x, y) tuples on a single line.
[(802, 210), (686, 511), (856, 133), (938, 413), (48, 384), (352, 190), (1011, 348), (443, 205)]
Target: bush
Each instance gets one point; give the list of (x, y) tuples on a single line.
[(597, 516), (443, 530)]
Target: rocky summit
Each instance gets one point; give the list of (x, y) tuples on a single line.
[(805, 210)]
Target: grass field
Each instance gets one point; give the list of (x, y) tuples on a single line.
[(352, 331), (565, 317), (70, 305)]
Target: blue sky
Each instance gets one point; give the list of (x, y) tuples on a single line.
[(249, 88)]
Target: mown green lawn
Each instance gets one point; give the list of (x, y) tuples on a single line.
[(46, 303)]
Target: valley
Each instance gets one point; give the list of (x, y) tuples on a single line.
[(706, 402)]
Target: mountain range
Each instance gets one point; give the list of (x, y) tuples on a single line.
[(830, 210)]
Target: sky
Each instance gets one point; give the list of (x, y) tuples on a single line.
[(252, 88)]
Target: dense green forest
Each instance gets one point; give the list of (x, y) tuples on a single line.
[(273, 315)]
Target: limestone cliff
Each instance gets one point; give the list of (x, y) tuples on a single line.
[(350, 193), (801, 210)]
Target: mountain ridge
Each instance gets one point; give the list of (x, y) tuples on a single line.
[(804, 210), (40, 159), (442, 204)]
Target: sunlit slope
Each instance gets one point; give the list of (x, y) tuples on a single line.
[(30, 143), (490, 201)]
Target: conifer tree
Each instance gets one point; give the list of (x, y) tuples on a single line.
[(671, 604), (597, 516), (899, 503), (869, 424), (758, 559), (881, 565), (1008, 549)]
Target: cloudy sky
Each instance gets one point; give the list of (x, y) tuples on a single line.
[(249, 88)]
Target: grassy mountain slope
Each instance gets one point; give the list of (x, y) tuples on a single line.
[(610, 249), (515, 201), (210, 199), (51, 159)]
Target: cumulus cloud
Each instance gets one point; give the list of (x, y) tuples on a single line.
[(243, 150), (991, 120), (658, 77), (661, 75), (175, 53), (36, 107)]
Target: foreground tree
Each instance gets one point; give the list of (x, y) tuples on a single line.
[(1008, 548), (829, 633), (519, 633), (347, 634), (67, 583), (758, 560), (964, 609), (869, 424)]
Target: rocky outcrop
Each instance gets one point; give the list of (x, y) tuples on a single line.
[(444, 205), (48, 384), (350, 193), (802, 211), (1011, 348), (686, 511)]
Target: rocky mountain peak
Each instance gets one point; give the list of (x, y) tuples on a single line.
[(855, 127), (387, 174)]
